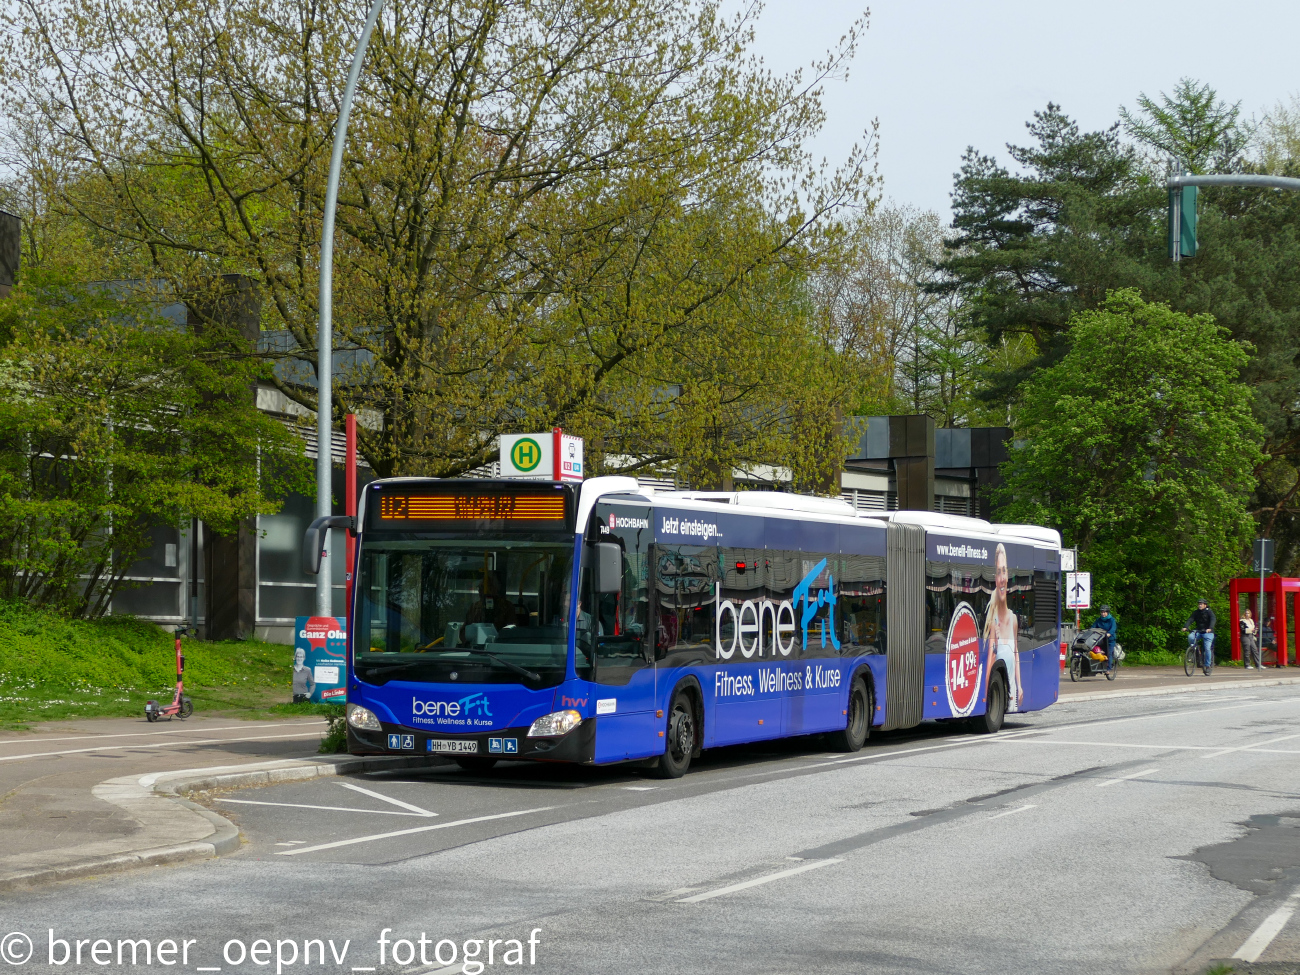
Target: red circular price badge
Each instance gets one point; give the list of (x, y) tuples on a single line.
[(963, 661)]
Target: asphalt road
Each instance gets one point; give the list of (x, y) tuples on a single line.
[(1132, 835)]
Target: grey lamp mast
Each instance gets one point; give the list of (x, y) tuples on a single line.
[(325, 331)]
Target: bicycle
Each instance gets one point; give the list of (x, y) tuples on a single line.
[(1195, 648)]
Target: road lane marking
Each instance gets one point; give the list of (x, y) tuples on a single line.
[(1264, 934), (1243, 748), (150, 734), (1125, 778), (303, 805), (1110, 744), (1012, 812), (388, 799), (158, 744), (767, 878), (639, 788), (409, 832)]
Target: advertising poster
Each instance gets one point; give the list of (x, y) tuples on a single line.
[(319, 660)]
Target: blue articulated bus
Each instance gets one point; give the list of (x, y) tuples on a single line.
[(601, 622)]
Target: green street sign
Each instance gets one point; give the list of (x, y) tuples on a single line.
[(1182, 222)]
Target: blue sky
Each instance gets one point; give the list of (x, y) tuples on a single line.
[(943, 75)]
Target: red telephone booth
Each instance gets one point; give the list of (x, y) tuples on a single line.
[(1277, 590)]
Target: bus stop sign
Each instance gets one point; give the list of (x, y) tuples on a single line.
[(1078, 590)]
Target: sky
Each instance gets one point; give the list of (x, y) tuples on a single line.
[(943, 75)]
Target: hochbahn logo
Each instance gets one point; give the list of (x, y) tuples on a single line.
[(626, 523), (754, 618)]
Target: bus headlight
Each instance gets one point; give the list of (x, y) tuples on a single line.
[(363, 718), (554, 724)]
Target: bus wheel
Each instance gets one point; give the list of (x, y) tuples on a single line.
[(990, 722), (470, 764), (676, 758), (859, 719)]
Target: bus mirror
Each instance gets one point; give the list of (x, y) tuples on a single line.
[(609, 567), (313, 540)]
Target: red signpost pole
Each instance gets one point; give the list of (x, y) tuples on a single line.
[(350, 507)]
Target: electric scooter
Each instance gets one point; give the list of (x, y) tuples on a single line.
[(181, 706)]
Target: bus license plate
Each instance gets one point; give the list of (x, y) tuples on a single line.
[(451, 747)]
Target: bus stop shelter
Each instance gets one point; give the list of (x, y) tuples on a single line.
[(1272, 627)]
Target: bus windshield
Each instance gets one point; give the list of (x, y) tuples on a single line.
[(468, 611)]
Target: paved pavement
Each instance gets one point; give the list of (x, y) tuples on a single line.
[(47, 776), (1172, 680), (1146, 833)]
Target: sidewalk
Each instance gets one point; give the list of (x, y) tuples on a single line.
[(92, 796), (1150, 681)]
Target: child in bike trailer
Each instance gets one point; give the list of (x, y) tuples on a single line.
[(1201, 624)]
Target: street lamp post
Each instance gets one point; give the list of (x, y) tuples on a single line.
[(325, 331)]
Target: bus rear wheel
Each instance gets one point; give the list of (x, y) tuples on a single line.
[(676, 758), (858, 725), (990, 722)]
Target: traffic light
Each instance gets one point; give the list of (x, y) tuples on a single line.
[(1182, 222)]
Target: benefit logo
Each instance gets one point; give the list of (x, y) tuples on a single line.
[(963, 660)]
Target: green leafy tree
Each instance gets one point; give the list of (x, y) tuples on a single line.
[(1139, 446), (542, 203), (1086, 215), (111, 422)]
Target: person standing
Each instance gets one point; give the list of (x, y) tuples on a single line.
[(1108, 623), (1250, 642), (1201, 624)]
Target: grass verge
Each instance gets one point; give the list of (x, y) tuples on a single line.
[(52, 668)]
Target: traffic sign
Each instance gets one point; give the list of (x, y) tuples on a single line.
[(1078, 590), (550, 456), (1069, 560)]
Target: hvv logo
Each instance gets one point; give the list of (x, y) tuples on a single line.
[(749, 619)]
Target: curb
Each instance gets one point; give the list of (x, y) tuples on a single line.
[(1193, 688), (156, 801)]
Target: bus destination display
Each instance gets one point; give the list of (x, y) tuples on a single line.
[(471, 507)]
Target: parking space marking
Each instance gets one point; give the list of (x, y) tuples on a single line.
[(408, 832), (303, 805), (1263, 935), (1012, 812), (1124, 778), (389, 799), (767, 878)]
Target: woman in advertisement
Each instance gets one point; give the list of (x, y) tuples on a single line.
[(1002, 631)]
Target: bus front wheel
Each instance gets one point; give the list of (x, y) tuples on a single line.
[(858, 726), (676, 758)]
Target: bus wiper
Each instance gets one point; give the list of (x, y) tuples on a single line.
[(508, 664)]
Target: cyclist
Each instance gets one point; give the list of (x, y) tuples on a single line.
[(1108, 623), (1201, 626)]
